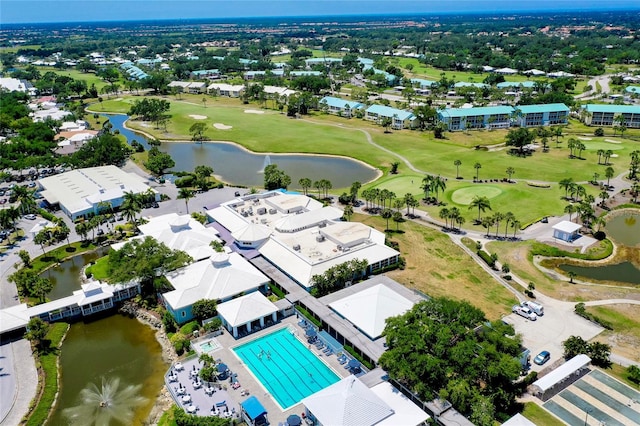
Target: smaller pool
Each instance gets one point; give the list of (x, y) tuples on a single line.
[(206, 346), (285, 367)]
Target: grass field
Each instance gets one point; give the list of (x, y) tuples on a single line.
[(438, 267), (327, 134), (466, 194), (539, 416), (90, 78), (625, 320)]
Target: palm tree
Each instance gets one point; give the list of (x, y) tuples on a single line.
[(566, 184), (457, 163), (607, 155), (481, 203), (348, 211), (427, 185), (454, 215), (397, 218), (580, 192), (604, 195), (557, 132), (510, 172), (25, 197), (508, 218), (580, 147), (608, 173), (497, 217), (131, 206), (444, 214), (572, 275), (516, 226), (477, 166), (387, 214), (571, 145), (487, 222), (570, 209), (600, 154), (185, 194), (439, 184)]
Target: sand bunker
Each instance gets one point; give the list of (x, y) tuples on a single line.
[(253, 111), (198, 117), (612, 141), (583, 138), (221, 126), (614, 155)]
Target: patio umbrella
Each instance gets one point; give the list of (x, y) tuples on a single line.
[(311, 332), (294, 420), (354, 363), (222, 368)]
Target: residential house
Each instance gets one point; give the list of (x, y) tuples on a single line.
[(606, 114), (401, 119), (258, 75), (295, 74), (322, 61), (340, 107), (515, 86), (541, 115), (223, 89), (211, 74), (495, 117), (423, 87)]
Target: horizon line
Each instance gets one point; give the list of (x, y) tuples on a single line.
[(345, 15)]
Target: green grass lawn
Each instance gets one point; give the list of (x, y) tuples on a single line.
[(539, 415), (327, 134), (100, 269), (90, 78)]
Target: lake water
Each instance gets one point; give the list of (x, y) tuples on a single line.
[(624, 228), (623, 272), (237, 166), (111, 347), (65, 276)]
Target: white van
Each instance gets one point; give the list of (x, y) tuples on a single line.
[(537, 308)]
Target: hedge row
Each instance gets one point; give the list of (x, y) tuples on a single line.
[(486, 257), (580, 310), (308, 316)]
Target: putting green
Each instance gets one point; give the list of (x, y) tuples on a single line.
[(465, 195), (594, 146), (402, 184)]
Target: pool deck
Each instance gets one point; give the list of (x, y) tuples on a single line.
[(245, 377)]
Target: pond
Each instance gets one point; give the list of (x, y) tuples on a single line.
[(624, 228), (65, 276), (111, 348), (235, 165), (622, 272)]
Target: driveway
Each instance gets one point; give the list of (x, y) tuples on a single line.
[(558, 323)]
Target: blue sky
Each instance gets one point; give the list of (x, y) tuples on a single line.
[(28, 11)]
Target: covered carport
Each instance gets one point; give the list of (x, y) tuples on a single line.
[(561, 377), (247, 313)]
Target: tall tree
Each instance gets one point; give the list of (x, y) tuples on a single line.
[(481, 203), (186, 194)]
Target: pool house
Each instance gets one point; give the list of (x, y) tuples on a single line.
[(248, 313), (541, 115), (494, 117), (606, 115), (566, 231)]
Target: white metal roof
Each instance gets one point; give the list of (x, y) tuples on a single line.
[(245, 309), (227, 218), (13, 318), (566, 226), (348, 402), (252, 232), (405, 412), (182, 232), (518, 420), (562, 372), (213, 279), (77, 189), (369, 309)]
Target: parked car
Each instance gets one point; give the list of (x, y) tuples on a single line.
[(537, 308), (2, 201), (542, 357), (100, 232), (525, 312), (30, 216), (236, 194)]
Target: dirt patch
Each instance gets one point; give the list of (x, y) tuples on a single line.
[(198, 117), (253, 111), (221, 126)]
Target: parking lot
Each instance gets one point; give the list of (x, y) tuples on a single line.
[(547, 333)]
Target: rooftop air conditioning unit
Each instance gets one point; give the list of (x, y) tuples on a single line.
[(322, 225), (296, 247), (273, 211), (320, 238)]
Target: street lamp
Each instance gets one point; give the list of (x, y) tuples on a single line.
[(587, 410)]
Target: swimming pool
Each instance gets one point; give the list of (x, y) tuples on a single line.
[(285, 367), (206, 346)]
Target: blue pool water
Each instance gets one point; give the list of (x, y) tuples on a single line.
[(286, 368)]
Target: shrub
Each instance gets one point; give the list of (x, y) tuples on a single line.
[(599, 131), (185, 181), (276, 290), (181, 345), (213, 325), (486, 257), (530, 378), (633, 373), (579, 309), (168, 322), (308, 316), (189, 328), (600, 235)]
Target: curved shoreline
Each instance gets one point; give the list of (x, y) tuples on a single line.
[(379, 173)]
